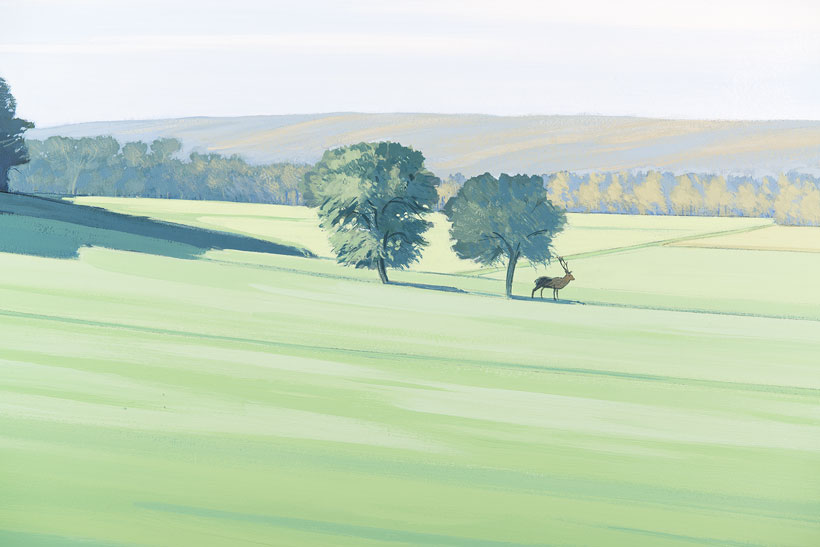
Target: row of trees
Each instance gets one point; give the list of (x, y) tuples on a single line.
[(373, 199), (101, 166), (792, 198)]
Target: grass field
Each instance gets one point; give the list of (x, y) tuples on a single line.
[(774, 238), (250, 398)]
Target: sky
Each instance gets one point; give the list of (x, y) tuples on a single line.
[(93, 60)]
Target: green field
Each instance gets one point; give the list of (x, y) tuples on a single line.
[(230, 397)]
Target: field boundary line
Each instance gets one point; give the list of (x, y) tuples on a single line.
[(601, 252)]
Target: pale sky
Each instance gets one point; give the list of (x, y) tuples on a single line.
[(89, 60)]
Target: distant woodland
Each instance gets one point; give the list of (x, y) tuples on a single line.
[(791, 198), (102, 166)]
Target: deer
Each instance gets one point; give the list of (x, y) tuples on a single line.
[(554, 283)]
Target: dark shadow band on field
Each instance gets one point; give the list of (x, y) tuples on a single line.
[(327, 527), (54, 228), (426, 286), (548, 300)]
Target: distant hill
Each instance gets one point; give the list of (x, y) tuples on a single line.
[(473, 144)]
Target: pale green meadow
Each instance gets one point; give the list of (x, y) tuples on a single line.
[(672, 396)]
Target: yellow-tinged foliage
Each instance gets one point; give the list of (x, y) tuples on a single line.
[(649, 195), (717, 198), (589, 193), (558, 190)]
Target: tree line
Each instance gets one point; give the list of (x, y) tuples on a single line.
[(791, 198), (101, 166)]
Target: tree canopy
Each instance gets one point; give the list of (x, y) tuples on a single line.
[(504, 219), (372, 198), (13, 149)]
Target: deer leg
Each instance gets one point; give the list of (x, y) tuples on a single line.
[(542, 292), (533, 291), (555, 294)]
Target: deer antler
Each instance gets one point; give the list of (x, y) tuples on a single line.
[(563, 264)]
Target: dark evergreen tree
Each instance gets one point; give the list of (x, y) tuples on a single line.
[(13, 150)]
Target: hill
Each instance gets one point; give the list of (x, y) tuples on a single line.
[(472, 144)]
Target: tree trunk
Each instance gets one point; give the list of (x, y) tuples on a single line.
[(510, 273), (382, 270)]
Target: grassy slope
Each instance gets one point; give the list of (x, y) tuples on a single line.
[(648, 268), (246, 399), (54, 228)]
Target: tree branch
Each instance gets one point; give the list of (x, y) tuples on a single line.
[(413, 207), (539, 202), (535, 233), (509, 247)]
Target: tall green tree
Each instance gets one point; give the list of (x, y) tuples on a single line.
[(372, 198), (13, 149), (504, 219)]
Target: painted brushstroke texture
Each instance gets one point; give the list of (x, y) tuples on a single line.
[(473, 144), (261, 398)]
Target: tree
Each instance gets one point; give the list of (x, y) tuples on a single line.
[(372, 197), (649, 195), (504, 218), (134, 162), (810, 205), (448, 188), (589, 193), (750, 201), (617, 199), (716, 196), (13, 150), (82, 161), (684, 198), (162, 149), (558, 189), (787, 203)]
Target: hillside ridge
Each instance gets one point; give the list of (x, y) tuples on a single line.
[(475, 143)]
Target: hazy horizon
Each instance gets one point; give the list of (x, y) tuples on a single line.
[(93, 61), (341, 112), (473, 144)]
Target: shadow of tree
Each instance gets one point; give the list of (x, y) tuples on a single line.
[(58, 229), (444, 288), (549, 300)]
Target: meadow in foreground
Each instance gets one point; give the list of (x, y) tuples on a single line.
[(245, 398)]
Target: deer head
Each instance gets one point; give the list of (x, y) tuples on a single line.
[(566, 268)]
